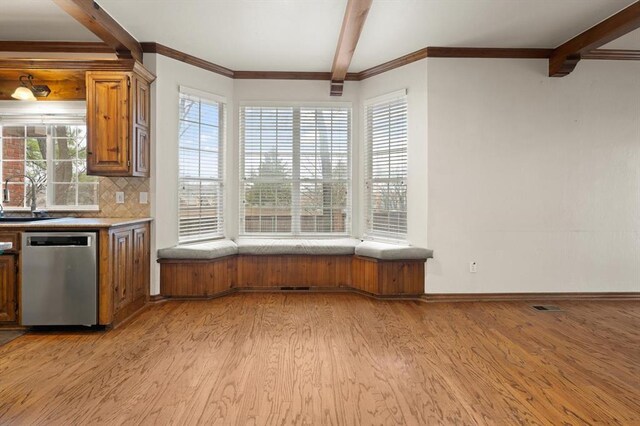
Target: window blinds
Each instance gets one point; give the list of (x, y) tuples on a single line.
[(295, 170), (386, 166), (201, 136)]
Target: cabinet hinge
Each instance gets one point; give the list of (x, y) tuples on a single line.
[(128, 163), (128, 81)]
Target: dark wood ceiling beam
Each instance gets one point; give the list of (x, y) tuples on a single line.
[(355, 16), (55, 46), (98, 21), (565, 57)]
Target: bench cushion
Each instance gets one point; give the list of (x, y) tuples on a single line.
[(269, 246), (384, 251), (208, 250)]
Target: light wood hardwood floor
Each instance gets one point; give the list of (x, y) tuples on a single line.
[(336, 359)]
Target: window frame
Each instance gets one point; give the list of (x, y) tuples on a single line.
[(368, 232), (296, 210), (221, 180), (48, 119)]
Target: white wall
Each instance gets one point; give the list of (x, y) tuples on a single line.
[(535, 178), (164, 175)]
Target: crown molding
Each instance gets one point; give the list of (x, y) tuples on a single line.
[(152, 47), (161, 49), (613, 55), (55, 46)]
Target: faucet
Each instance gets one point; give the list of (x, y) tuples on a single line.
[(34, 207)]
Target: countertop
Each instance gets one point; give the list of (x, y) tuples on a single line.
[(73, 222)]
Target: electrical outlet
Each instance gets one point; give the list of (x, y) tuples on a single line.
[(473, 267), (144, 198), (119, 197)]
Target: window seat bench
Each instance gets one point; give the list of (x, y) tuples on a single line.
[(221, 266)]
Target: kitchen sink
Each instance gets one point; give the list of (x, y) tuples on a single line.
[(23, 219)]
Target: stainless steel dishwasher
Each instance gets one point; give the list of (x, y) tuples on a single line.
[(59, 278)]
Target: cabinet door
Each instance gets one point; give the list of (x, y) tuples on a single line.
[(108, 124), (141, 259), (8, 289), (142, 101), (141, 151), (140, 131), (122, 267)]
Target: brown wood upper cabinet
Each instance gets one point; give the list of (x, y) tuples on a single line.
[(118, 120)]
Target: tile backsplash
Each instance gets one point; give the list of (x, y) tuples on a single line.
[(107, 198)]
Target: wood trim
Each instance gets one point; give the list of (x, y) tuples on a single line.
[(497, 297), (566, 56), (454, 52), (281, 75), (98, 21), (207, 277), (152, 47), (126, 65), (66, 64), (355, 16), (613, 55), (55, 46), (486, 52), (187, 261)]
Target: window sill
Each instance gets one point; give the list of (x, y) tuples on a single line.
[(389, 240), (60, 209), (267, 235)]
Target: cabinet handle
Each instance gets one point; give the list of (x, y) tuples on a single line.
[(89, 153)]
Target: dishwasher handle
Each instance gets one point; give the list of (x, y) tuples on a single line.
[(59, 241)]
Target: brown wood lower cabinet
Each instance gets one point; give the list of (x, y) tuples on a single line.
[(8, 289), (203, 278), (125, 272)]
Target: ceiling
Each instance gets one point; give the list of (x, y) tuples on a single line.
[(630, 41), (31, 20), (301, 35)]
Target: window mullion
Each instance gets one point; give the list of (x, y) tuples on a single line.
[(50, 168), (295, 189)]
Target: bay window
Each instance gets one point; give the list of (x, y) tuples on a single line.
[(295, 172), (201, 142), (386, 137)]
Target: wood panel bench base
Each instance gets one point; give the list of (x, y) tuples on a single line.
[(205, 278)]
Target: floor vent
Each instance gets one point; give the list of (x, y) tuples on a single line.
[(546, 308), (295, 288)]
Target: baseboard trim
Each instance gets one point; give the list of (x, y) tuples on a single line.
[(413, 297), (429, 297), (508, 297), (156, 298)]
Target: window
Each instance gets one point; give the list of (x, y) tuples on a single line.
[(52, 151), (295, 170), (201, 140), (386, 166)]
